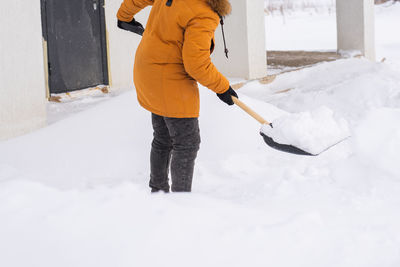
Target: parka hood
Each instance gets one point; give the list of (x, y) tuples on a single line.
[(222, 7)]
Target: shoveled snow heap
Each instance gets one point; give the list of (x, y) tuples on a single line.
[(313, 132)]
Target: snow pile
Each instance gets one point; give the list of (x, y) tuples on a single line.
[(377, 139), (313, 131)]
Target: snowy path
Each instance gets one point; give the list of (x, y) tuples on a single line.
[(75, 193)]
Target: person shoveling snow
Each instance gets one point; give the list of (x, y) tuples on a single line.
[(306, 133), (168, 64), (173, 55)]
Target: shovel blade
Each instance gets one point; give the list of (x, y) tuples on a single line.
[(285, 148)]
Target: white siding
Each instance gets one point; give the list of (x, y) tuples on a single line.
[(22, 86)]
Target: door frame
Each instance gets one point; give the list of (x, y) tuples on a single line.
[(104, 46)]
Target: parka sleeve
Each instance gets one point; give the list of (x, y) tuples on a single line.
[(196, 54), (130, 8)]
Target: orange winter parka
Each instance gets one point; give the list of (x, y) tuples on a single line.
[(174, 54)]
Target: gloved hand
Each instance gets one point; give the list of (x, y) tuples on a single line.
[(227, 96), (133, 26)]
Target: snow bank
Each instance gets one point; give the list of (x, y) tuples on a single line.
[(378, 139), (349, 87), (313, 132), (76, 193)]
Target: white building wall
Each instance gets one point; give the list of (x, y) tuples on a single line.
[(22, 81)]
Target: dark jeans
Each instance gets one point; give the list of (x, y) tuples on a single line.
[(176, 142)]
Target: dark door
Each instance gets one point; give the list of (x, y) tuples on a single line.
[(76, 43)]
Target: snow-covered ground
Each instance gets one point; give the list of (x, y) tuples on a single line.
[(75, 193), (288, 6)]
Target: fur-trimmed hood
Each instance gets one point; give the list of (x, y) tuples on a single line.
[(222, 7)]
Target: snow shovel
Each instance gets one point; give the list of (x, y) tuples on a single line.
[(268, 140)]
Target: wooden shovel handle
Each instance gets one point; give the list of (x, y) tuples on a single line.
[(249, 111)]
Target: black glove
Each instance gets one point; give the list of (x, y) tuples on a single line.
[(227, 96), (133, 26)]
